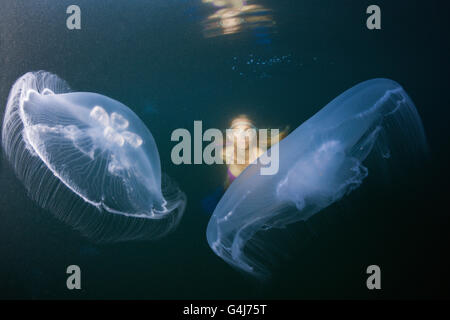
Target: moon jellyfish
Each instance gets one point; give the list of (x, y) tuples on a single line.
[(89, 160), (319, 163)]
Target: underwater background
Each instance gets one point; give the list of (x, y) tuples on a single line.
[(168, 63)]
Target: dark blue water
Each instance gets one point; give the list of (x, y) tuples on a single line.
[(155, 57)]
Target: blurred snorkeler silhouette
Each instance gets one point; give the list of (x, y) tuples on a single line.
[(238, 152)]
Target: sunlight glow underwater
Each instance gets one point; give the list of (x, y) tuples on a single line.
[(320, 162), (89, 160)]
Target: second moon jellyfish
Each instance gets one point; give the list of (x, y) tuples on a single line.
[(89, 160), (319, 163)]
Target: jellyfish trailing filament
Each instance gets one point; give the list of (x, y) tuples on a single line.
[(89, 160), (320, 162)]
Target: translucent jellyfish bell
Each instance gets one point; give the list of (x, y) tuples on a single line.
[(319, 163), (89, 160)]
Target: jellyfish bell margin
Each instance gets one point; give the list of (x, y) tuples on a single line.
[(320, 162), (89, 160)]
